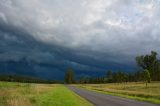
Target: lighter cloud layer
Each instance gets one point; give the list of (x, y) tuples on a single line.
[(125, 27)]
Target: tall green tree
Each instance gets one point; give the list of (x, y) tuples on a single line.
[(151, 63), (69, 76)]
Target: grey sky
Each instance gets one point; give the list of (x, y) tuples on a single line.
[(106, 31)]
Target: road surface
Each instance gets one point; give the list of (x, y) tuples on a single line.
[(99, 99)]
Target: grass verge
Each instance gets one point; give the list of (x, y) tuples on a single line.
[(61, 96)]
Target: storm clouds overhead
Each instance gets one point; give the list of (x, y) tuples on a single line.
[(45, 37)]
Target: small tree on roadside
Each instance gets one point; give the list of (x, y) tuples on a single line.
[(146, 76)]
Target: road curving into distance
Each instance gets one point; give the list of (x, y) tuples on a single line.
[(100, 99)]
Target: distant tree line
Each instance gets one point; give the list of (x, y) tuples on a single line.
[(149, 71), (117, 77), (25, 79)]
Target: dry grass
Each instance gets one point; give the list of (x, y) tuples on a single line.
[(21, 94), (40, 88), (18, 101)]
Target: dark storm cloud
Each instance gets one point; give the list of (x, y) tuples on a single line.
[(40, 58), (90, 36)]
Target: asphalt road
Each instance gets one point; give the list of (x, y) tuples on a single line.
[(99, 99)]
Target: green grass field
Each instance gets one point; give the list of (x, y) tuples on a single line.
[(24, 94), (136, 91)]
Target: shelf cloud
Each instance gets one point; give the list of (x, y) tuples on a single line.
[(90, 36)]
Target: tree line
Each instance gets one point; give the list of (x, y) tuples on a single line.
[(149, 71), (25, 79)]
